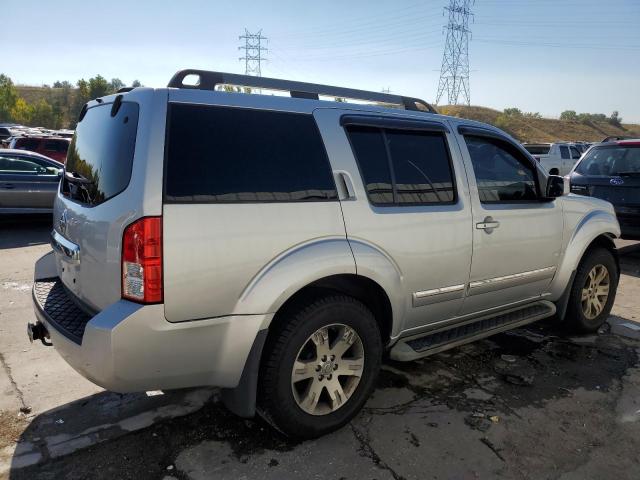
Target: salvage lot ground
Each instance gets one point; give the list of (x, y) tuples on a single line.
[(532, 403)]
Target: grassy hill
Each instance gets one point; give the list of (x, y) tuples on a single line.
[(528, 129), (524, 128)]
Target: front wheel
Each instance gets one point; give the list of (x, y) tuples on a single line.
[(593, 291), (319, 367)]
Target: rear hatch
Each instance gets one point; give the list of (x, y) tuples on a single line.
[(113, 176)]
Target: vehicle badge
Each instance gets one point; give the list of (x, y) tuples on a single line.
[(616, 181)]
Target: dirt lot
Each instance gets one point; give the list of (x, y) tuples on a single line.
[(533, 403)]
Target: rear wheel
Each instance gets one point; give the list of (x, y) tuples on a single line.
[(593, 291), (319, 367)]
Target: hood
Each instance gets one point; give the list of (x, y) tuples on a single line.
[(619, 190)]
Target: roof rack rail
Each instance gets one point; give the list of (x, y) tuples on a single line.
[(208, 80)]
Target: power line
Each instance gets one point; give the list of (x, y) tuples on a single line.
[(253, 50), (454, 73)]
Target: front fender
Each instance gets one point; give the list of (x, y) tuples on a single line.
[(582, 230), (292, 270)]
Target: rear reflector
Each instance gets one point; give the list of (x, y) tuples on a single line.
[(142, 261)]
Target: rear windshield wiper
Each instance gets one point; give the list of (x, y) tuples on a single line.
[(75, 177), (626, 174)]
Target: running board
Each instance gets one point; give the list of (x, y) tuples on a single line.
[(428, 343)]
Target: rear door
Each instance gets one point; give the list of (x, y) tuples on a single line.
[(517, 237), (410, 203)]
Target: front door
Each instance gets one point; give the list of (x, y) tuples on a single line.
[(517, 236)]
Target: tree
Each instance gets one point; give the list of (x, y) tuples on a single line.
[(8, 98), (136, 83), (42, 115), (615, 119), (99, 87), (532, 115), (513, 112), (21, 112), (116, 84), (569, 115)]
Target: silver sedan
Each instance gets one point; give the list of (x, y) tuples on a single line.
[(28, 182)]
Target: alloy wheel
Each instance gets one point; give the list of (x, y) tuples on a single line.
[(327, 369), (595, 291)]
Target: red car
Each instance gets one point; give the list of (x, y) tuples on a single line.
[(52, 147)]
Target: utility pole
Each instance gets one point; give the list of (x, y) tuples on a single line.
[(454, 73), (253, 50)]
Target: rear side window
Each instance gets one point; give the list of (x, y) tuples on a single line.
[(100, 156), (56, 146), (564, 152), (227, 155), (502, 174), (403, 167)]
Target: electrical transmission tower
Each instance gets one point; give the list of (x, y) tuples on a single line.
[(253, 51), (454, 73)]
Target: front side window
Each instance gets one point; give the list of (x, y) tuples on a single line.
[(403, 167), (228, 155), (502, 174), (564, 152), (18, 165)]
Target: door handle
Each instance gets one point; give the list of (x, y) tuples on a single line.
[(345, 185), (488, 224)]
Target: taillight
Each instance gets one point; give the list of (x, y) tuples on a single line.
[(142, 261)]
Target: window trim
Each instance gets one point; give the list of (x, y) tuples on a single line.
[(166, 199), (499, 139), (394, 125)]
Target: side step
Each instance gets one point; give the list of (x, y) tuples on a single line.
[(428, 343)]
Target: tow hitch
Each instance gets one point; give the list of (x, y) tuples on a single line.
[(38, 331)]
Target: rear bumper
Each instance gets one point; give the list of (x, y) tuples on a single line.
[(131, 347)]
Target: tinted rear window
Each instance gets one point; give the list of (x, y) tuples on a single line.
[(221, 154), (538, 149), (101, 153)]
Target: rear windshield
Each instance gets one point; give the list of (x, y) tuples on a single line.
[(538, 149), (101, 154), (615, 160)]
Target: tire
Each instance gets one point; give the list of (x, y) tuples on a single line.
[(582, 316), (287, 402)]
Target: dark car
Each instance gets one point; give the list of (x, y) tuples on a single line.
[(611, 171), (28, 182), (52, 147)]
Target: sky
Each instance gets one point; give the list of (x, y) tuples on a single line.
[(542, 56)]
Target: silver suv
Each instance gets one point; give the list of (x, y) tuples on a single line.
[(278, 246)]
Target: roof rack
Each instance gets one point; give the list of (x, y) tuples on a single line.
[(209, 80)]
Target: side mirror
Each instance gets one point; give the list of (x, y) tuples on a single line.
[(555, 186)]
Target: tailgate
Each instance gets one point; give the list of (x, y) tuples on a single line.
[(113, 176)]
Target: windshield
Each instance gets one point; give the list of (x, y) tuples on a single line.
[(610, 161), (538, 149), (101, 154)]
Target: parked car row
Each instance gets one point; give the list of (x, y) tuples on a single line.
[(51, 143)]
